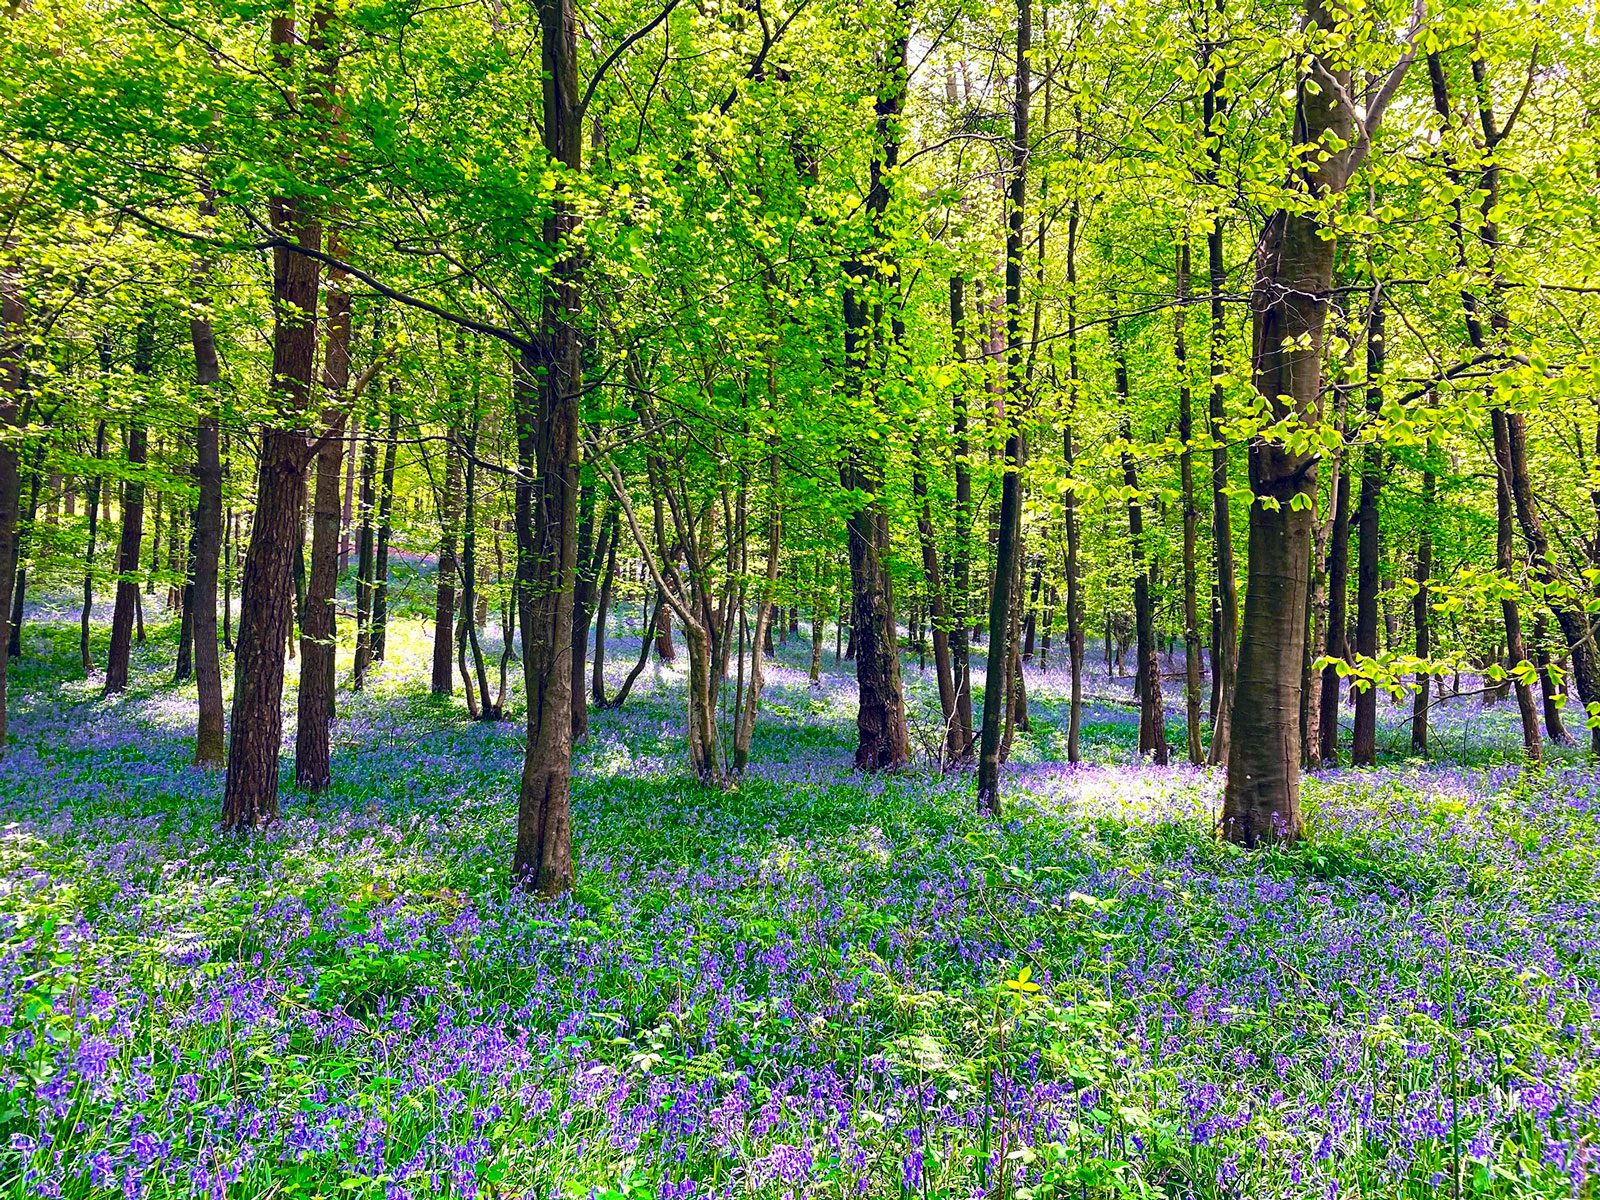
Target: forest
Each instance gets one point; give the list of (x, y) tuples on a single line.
[(799, 599)]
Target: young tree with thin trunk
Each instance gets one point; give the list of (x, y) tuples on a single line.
[(1008, 548), (208, 746), (1364, 736), (1191, 517), (313, 769), (128, 545)]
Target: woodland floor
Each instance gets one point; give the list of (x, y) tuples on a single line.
[(816, 985)]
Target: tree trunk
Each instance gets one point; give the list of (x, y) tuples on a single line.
[(591, 550), (1549, 688), (1224, 648), (1504, 564), (883, 742), (959, 737), (208, 748), (546, 393), (665, 650), (744, 729), (444, 596), (319, 637), (380, 576), (92, 487), (267, 593), (1364, 738), (128, 546), (938, 615), (12, 350), (24, 536), (1008, 546), (1337, 643), (1152, 708), (597, 674), (1191, 517), (1422, 614), (1294, 272), (366, 559)]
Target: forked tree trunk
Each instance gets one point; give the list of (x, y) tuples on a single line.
[(1294, 272)]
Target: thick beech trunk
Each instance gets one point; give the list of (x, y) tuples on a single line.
[(1294, 272)]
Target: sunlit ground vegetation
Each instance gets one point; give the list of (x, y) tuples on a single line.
[(817, 984)]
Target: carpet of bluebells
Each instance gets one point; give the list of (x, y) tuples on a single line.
[(814, 985)]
